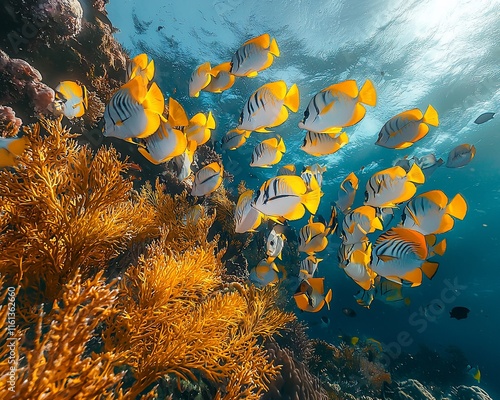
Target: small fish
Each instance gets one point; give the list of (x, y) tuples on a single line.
[(288, 169), (459, 312), (355, 260), (484, 118), (384, 290), (221, 80), (207, 179), (320, 144), (134, 111), (274, 245), (10, 148), (358, 223), (246, 217), (267, 273), (254, 56), (407, 128), (311, 171), (338, 106), (193, 215), (430, 212), (313, 236), (200, 128), (286, 196), (140, 65), (183, 161), (71, 99), (267, 107), (308, 267), (392, 186), (474, 372), (310, 296), (428, 164), (400, 255), (347, 192), (268, 152), (461, 156), (200, 78), (349, 312), (234, 138)]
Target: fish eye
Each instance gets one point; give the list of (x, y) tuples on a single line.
[(240, 120), (306, 115), (366, 195), (271, 243), (305, 142)]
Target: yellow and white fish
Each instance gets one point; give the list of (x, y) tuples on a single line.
[(358, 223), (200, 128), (384, 290), (267, 273), (286, 196), (347, 192), (207, 179), (234, 138), (200, 79), (10, 148), (400, 255), (246, 217), (71, 99), (338, 106), (310, 171), (320, 144), (428, 164), (140, 65), (288, 169), (221, 80), (313, 236), (406, 128), (274, 245), (461, 155), (268, 152), (355, 259), (134, 111), (309, 266), (183, 161), (310, 296), (392, 186), (254, 56), (267, 106), (474, 372), (193, 215), (430, 212)]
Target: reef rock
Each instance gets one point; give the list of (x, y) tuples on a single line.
[(467, 393), (9, 123), (64, 17), (412, 390)]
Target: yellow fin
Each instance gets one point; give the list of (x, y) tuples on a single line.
[(311, 200), (437, 197), (273, 48), (440, 248), (176, 114), (357, 115), (423, 130), (348, 87), (252, 74), (263, 41), (413, 115), (137, 88), (17, 146), (332, 130), (415, 277), (404, 145), (446, 224), (262, 130), (292, 98), (301, 300), (328, 298), (145, 153), (150, 70), (368, 94), (431, 116), (282, 117), (429, 269), (278, 89), (154, 100), (415, 174), (199, 119), (210, 121), (317, 284), (457, 207)]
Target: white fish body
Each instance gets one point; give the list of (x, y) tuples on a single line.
[(207, 179), (347, 192), (268, 152), (320, 144), (165, 144), (460, 156), (308, 267), (254, 55), (274, 245), (234, 139), (246, 217), (200, 78)]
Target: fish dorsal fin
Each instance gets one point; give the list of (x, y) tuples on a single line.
[(292, 98), (415, 277), (281, 145), (430, 240), (360, 257), (348, 87), (412, 115), (328, 298), (446, 224), (318, 284), (437, 197), (176, 114), (302, 300), (431, 116), (368, 94), (198, 119), (457, 207), (205, 68), (273, 48), (210, 121), (278, 89), (357, 115), (137, 88), (430, 269), (263, 41), (150, 70), (415, 174), (221, 67), (272, 142), (146, 154), (440, 248), (154, 100)]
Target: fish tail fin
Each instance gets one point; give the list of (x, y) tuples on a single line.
[(440, 248), (17, 146), (368, 94), (431, 116), (210, 121), (328, 298), (292, 98), (457, 207), (176, 114), (150, 70), (311, 199), (273, 48), (429, 269), (146, 154), (415, 174), (281, 145), (154, 100)]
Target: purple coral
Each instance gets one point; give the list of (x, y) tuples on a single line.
[(9, 123)]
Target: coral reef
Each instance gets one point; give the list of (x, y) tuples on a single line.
[(412, 389), (9, 123), (467, 393)]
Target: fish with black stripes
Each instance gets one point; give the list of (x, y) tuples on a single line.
[(347, 192), (267, 273), (461, 155), (309, 266), (208, 179), (222, 79), (200, 128), (310, 295), (321, 144), (71, 100), (274, 245), (268, 152), (254, 56), (313, 237), (246, 217), (313, 171), (234, 139), (355, 260)]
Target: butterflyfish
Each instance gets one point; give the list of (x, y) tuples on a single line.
[(392, 186), (134, 111), (207, 179), (286, 196), (309, 266), (338, 106), (200, 78), (254, 56), (221, 80), (430, 212), (183, 161), (71, 99), (461, 155), (313, 171), (268, 106), (193, 215), (288, 169), (274, 245), (474, 372), (313, 235), (310, 295), (355, 260), (200, 128), (358, 223), (141, 65), (384, 290), (234, 138), (10, 148), (268, 152), (246, 217), (320, 144), (267, 273), (406, 128), (347, 192)]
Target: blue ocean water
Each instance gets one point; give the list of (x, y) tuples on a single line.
[(438, 52)]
